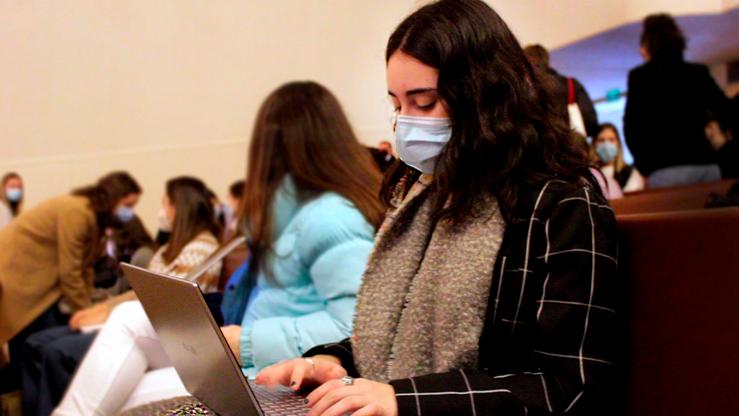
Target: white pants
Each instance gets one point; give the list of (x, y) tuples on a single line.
[(113, 376)]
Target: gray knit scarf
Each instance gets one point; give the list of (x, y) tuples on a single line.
[(424, 294)]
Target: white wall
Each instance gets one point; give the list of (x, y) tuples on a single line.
[(170, 87), (557, 23)]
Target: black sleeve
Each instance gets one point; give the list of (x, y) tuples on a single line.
[(632, 122), (717, 101), (574, 348), (587, 109), (341, 350)]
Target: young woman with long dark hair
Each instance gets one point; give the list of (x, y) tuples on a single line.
[(491, 286), (310, 208)]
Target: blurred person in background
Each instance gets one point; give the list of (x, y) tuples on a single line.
[(231, 208), (11, 198), (566, 92), (607, 151), (129, 242), (724, 139), (667, 109)]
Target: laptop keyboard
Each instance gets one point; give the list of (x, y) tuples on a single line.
[(281, 401)]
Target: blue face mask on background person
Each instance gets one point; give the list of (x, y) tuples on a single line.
[(124, 214), (14, 194), (607, 151), (420, 140)]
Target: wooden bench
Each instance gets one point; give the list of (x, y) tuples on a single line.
[(681, 271), (681, 198)]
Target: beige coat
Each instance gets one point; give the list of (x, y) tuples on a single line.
[(46, 254)]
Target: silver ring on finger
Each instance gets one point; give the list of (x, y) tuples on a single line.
[(347, 381)]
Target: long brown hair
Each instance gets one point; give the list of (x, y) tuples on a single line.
[(103, 196), (106, 193), (301, 130), (194, 214)]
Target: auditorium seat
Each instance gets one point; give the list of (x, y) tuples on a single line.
[(669, 199), (681, 271)]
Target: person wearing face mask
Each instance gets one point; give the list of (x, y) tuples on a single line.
[(54, 353), (11, 199), (47, 254), (607, 151), (492, 285)]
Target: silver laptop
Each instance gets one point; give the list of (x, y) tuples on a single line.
[(200, 354)]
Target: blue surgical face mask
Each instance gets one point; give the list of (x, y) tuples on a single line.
[(124, 214), (14, 194), (607, 151), (420, 140)]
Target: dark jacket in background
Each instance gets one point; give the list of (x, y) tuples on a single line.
[(728, 159), (587, 109), (668, 106), (383, 159)]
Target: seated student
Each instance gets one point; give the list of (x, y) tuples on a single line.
[(608, 153), (46, 255), (491, 287), (53, 354), (11, 198), (128, 242), (310, 208), (724, 138)]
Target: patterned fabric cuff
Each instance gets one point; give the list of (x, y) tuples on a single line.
[(407, 402), (245, 345)]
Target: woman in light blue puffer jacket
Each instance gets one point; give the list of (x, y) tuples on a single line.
[(307, 293), (311, 207)]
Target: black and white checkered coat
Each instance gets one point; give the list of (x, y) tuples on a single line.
[(548, 344)]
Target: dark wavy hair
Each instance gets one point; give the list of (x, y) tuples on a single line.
[(506, 132), (106, 193), (661, 35), (194, 214)]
